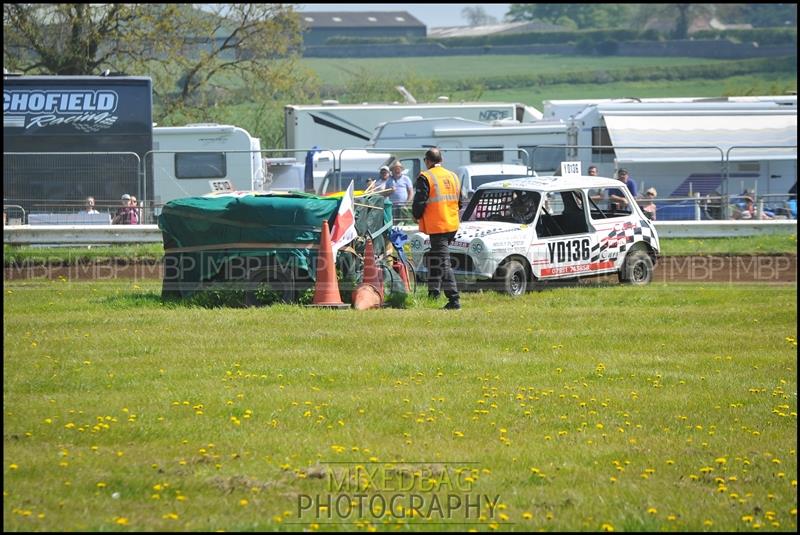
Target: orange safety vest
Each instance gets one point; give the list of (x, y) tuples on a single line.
[(441, 210)]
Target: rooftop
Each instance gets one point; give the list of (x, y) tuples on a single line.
[(362, 19)]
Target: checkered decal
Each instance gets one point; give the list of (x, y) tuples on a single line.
[(620, 238)]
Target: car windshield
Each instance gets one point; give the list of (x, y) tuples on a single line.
[(503, 205)]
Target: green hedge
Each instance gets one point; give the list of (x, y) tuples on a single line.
[(763, 36), (766, 36)]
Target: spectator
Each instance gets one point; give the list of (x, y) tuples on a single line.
[(89, 207), (402, 188), (123, 215), (594, 194), (615, 196), (649, 208), (135, 211), (382, 185)]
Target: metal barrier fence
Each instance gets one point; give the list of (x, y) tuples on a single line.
[(54, 186), (50, 187)]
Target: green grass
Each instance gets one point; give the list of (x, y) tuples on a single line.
[(18, 255), (744, 245), (153, 252), (338, 71), (763, 84), (663, 408)]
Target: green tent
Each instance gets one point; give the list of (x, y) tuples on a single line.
[(256, 237)]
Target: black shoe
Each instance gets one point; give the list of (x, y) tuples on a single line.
[(452, 305), (433, 295)]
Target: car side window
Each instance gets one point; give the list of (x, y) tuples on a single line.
[(608, 202), (562, 213)]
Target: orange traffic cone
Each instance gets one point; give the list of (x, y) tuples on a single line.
[(326, 290), (372, 275), (366, 296)]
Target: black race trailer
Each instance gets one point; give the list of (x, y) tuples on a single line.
[(49, 115)]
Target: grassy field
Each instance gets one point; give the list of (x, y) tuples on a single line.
[(340, 70), (764, 84), (664, 408), (17, 255)]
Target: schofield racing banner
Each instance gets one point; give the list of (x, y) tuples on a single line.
[(85, 110)]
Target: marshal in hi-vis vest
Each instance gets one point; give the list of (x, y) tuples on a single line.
[(441, 210)]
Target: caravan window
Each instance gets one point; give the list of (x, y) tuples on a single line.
[(545, 159), (200, 165), (486, 155)]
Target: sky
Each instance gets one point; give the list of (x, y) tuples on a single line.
[(431, 15)]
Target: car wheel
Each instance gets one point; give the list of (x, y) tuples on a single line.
[(637, 268), (512, 278)]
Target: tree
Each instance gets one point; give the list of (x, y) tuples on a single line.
[(682, 15), (477, 16), (65, 38), (583, 15), (198, 59)]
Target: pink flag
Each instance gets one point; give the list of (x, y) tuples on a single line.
[(344, 227)]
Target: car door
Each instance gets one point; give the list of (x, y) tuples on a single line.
[(565, 245)]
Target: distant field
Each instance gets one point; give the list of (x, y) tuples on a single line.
[(338, 71), (664, 408), (767, 84)]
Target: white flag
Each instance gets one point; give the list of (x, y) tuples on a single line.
[(344, 227)]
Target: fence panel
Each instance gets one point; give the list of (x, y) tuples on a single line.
[(52, 187)]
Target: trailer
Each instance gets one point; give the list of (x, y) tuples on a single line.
[(69, 137), (697, 146), (333, 125), (191, 160), (466, 142)]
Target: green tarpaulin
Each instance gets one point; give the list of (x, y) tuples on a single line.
[(220, 238)]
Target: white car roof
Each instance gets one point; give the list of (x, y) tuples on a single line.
[(493, 168), (553, 183)]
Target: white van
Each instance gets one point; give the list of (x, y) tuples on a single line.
[(188, 159)]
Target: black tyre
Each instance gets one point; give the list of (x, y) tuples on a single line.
[(637, 269), (512, 278)]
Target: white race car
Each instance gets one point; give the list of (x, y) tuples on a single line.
[(516, 232)]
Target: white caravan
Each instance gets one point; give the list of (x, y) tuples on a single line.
[(687, 147), (285, 174), (466, 142), (189, 160), (333, 125)]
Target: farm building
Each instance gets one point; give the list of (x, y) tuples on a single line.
[(320, 26)]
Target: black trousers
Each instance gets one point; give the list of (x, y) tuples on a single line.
[(440, 272)]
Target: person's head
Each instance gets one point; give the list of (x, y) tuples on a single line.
[(89, 202), (384, 171), (126, 200), (622, 174), (432, 157), (651, 193), (592, 171), (397, 169), (133, 200)]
